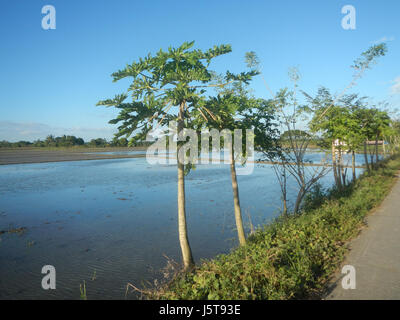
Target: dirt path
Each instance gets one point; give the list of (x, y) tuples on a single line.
[(375, 255)]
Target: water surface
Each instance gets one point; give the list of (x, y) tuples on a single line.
[(110, 222)]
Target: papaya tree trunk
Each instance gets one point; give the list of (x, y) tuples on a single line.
[(376, 148), (366, 156), (236, 201), (372, 159), (335, 174), (353, 164), (341, 173), (187, 257), (384, 148)]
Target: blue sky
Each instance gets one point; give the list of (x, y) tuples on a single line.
[(51, 79)]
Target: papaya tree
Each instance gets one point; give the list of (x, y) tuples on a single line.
[(224, 116), (166, 87)]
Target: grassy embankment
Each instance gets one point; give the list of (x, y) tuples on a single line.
[(292, 258)]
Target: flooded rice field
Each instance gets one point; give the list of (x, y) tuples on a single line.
[(110, 222)]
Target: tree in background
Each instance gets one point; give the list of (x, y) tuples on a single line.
[(121, 142), (381, 124), (374, 123), (294, 141), (364, 62), (339, 126), (353, 136), (50, 141), (294, 150), (392, 136), (99, 142)]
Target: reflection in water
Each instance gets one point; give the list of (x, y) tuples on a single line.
[(113, 220)]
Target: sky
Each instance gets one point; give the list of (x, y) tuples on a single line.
[(51, 80)]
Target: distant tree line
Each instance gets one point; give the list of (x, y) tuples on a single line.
[(70, 141)]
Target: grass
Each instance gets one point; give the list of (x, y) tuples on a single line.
[(82, 289), (291, 258)]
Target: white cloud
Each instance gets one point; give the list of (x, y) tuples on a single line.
[(395, 88), (16, 131), (383, 39)]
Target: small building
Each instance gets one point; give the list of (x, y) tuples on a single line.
[(337, 143), (380, 142)]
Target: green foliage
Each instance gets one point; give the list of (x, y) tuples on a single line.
[(263, 119), (296, 134), (291, 258), (350, 119), (122, 142), (332, 120), (50, 141), (166, 79), (315, 197), (373, 122), (19, 144), (369, 56), (99, 142), (252, 60), (332, 116), (177, 78), (72, 141)]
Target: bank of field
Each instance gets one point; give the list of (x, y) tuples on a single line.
[(292, 258)]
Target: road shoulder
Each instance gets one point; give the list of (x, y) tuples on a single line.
[(375, 255)]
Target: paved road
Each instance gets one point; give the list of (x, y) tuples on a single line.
[(375, 254)]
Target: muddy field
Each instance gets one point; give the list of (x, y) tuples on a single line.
[(33, 155)]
